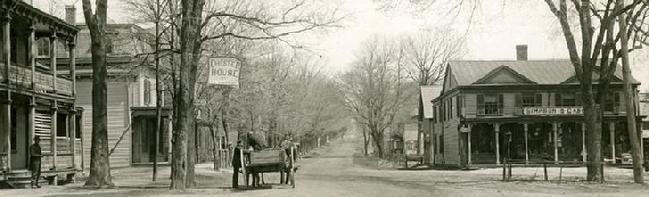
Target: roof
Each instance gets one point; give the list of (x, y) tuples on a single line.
[(544, 72), (428, 93)]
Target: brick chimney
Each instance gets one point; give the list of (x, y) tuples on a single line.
[(521, 52), (70, 14)]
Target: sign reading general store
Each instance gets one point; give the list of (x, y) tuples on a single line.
[(543, 111), (224, 71)]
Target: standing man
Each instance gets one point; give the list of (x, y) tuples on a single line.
[(35, 161), (236, 164)]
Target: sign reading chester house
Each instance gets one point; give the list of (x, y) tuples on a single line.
[(224, 71)]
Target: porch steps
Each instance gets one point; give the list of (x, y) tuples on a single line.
[(20, 179)]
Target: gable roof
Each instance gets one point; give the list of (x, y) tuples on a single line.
[(428, 93), (545, 72), (503, 69)]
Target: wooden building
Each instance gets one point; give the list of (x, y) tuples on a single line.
[(131, 96), (427, 94), (525, 110), (35, 98)]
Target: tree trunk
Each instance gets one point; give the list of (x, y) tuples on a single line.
[(215, 152), (636, 151), (593, 122), (99, 162), (366, 141), (191, 155), (190, 53), (377, 136), (224, 114)]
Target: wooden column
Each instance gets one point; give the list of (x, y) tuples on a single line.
[(73, 113), (611, 129), (527, 155), (5, 108), (468, 145), (72, 117), (584, 153), (555, 138), (53, 59), (31, 62), (53, 133), (497, 131), (31, 54), (80, 112), (31, 111)]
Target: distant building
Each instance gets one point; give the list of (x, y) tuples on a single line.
[(524, 110), (428, 93)]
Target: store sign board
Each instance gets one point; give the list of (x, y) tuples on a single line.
[(548, 111)]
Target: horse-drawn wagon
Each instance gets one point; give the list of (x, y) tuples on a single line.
[(268, 161)]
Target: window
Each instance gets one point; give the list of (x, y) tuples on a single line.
[(566, 100), (449, 110), (490, 104), (43, 47), (61, 125), (147, 92), (613, 102), (441, 143), (459, 106), (77, 131), (645, 125), (13, 129), (531, 99)]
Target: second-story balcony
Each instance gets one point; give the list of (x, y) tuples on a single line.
[(20, 77)]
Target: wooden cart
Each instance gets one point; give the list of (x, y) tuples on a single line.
[(267, 161)]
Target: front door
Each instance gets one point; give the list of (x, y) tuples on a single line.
[(144, 140), (19, 141)]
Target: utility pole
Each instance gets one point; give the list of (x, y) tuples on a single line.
[(158, 98)]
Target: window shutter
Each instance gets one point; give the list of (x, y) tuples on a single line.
[(480, 104), (539, 100), (459, 106), (500, 103), (557, 99), (519, 100), (618, 98)]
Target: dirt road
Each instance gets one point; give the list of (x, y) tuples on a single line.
[(334, 172)]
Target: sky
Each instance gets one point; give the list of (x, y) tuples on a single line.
[(494, 30)]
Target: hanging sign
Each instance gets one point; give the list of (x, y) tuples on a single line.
[(224, 71)]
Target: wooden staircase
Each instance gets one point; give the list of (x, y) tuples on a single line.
[(17, 179)]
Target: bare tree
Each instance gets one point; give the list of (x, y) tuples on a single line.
[(374, 88), (427, 54), (599, 45), (99, 163), (250, 20)]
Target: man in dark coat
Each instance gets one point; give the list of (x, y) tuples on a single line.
[(35, 161), (236, 164)]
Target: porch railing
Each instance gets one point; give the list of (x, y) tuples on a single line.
[(21, 77)]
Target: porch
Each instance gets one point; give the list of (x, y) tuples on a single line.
[(530, 142)]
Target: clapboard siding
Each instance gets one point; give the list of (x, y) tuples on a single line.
[(118, 120), (451, 141), (470, 103)]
